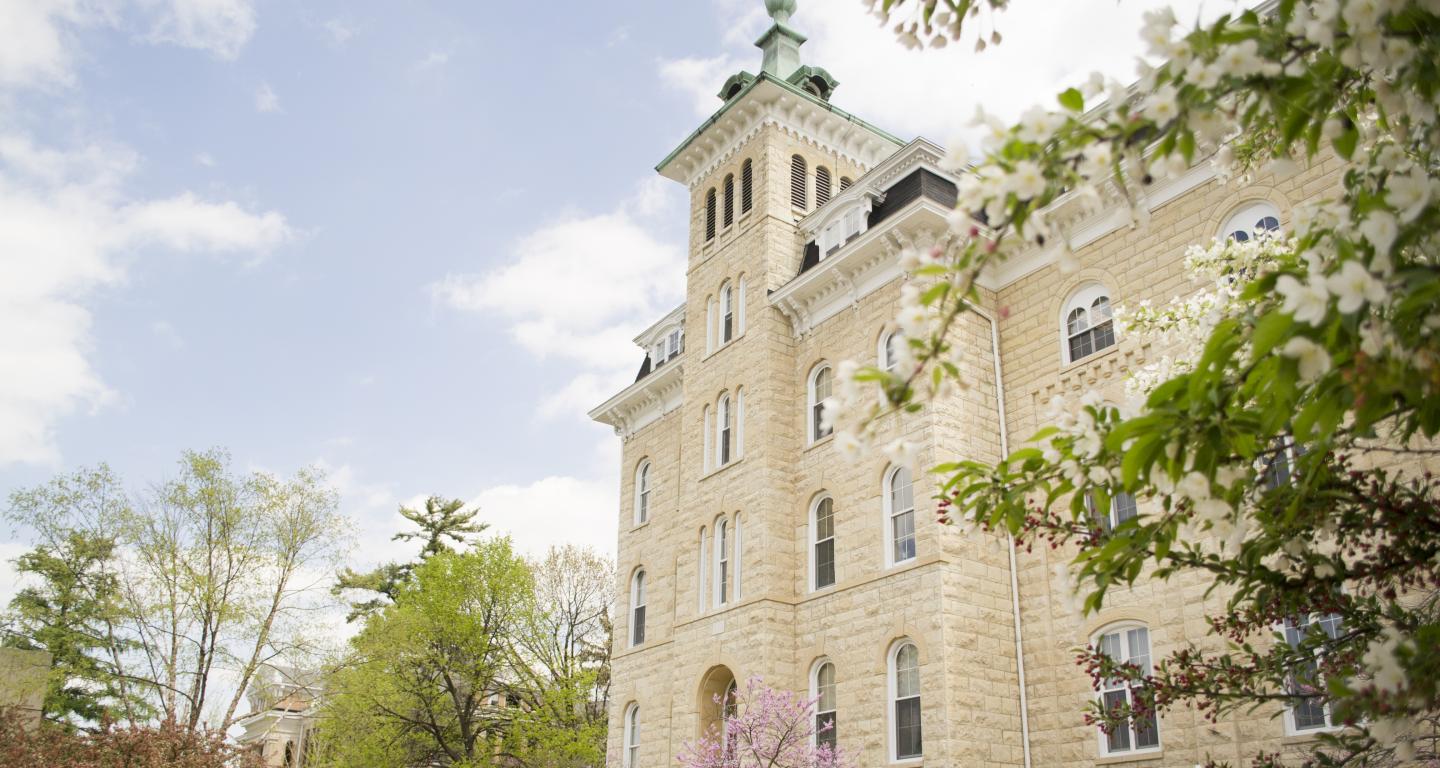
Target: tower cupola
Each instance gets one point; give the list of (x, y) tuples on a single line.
[(781, 43)]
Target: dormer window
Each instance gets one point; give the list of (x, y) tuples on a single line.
[(843, 227)]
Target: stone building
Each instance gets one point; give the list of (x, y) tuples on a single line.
[(749, 545), (280, 727)]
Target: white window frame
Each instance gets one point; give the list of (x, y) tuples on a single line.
[(1247, 218), (631, 727), (816, 541), (637, 604), (813, 400), (1084, 298), (724, 427), (722, 562), (739, 549), (1110, 521), (891, 514), (727, 314), (892, 699), (701, 570), (884, 354), (642, 492), (1123, 630), (705, 437), (815, 670), (1330, 726), (737, 451)]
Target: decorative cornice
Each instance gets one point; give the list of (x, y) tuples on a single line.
[(645, 401), (652, 335)]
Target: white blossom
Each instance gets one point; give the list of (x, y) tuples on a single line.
[(1308, 301), (1026, 181), (1162, 106), (1353, 285), (1409, 193), (1313, 359), (1380, 229)]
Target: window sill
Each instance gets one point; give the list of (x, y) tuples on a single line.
[(822, 441), (638, 526), (1130, 757), (903, 564), (1089, 359), (717, 350), (1309, 735), (720, 469), (908, 762)]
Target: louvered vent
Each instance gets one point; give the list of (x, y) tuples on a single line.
[(710, 214), (729, 199), (747, 180), (798, 198), (822, 186), (845, 183)]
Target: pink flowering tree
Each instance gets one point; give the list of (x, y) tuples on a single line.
[(764, 728)]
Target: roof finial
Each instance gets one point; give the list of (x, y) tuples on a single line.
[(780, 10)]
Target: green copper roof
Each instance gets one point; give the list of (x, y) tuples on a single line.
[(790, 87)]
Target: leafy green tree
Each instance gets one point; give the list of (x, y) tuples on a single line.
[(430, 674), (69, 610), (441, 523), (1282, 452)]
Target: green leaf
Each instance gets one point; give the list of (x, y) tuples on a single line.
[(1345, 143), (1269, 332), (1072, 100)]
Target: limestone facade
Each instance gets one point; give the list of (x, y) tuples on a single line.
[(960, 601)]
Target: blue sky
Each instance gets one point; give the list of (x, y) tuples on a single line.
[(409, 242)]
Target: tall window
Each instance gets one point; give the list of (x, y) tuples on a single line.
[(822, 185), (739, 548), (798, 196), (1127, 645), (637, 608), (632, 736), (819, 391), (642, 493), (710, 214), (1250, 221), (1089, 327), (823, 692), (823, 528), (700, 569), (1279, 465), (900, 514), (727, 314), (905, 739), (708, 450), (1122, 508), (722, 561), (1308, 710), (729, 199), (747, 186), (726, 430), (890, 350)]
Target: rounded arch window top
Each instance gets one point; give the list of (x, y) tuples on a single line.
[(1251, 220), (1087, 322)]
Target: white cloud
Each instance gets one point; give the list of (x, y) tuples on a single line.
[(432, 60), (205, 158), (551, 512), (1048, 46), (582, 286), (65, 224), (33, 37), (340, 30), (266, 100), (221, 27)]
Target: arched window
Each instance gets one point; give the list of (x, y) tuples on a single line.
[(822, 537), (289, 754), (710, 214), (632, 736), (1126, 644), (899, 516), (739, 423), (822, 691), (725, 430), (642, 493), (637, 608), (818, 389), (889, 354), (709, 455), (905, 736), (700, 569), (822, 185), (727, 314), (845, 183), (729, 199), (747, 186), (722, 562), (1250, 220), (1089, 326), (798, 170)]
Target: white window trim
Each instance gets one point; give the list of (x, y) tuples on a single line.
[(739, 549), (1291, 729), (701, 565), (720, 594), (1123, 628), (637, 602), (631, 726), (1246, 217), (889, 524), (811, 428), (643, 492), (737, 450), (815, 541), (1083, 297), (882, 349), (727, 297), (724, 412), (891, 699), (815, 668), (709, 460)]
